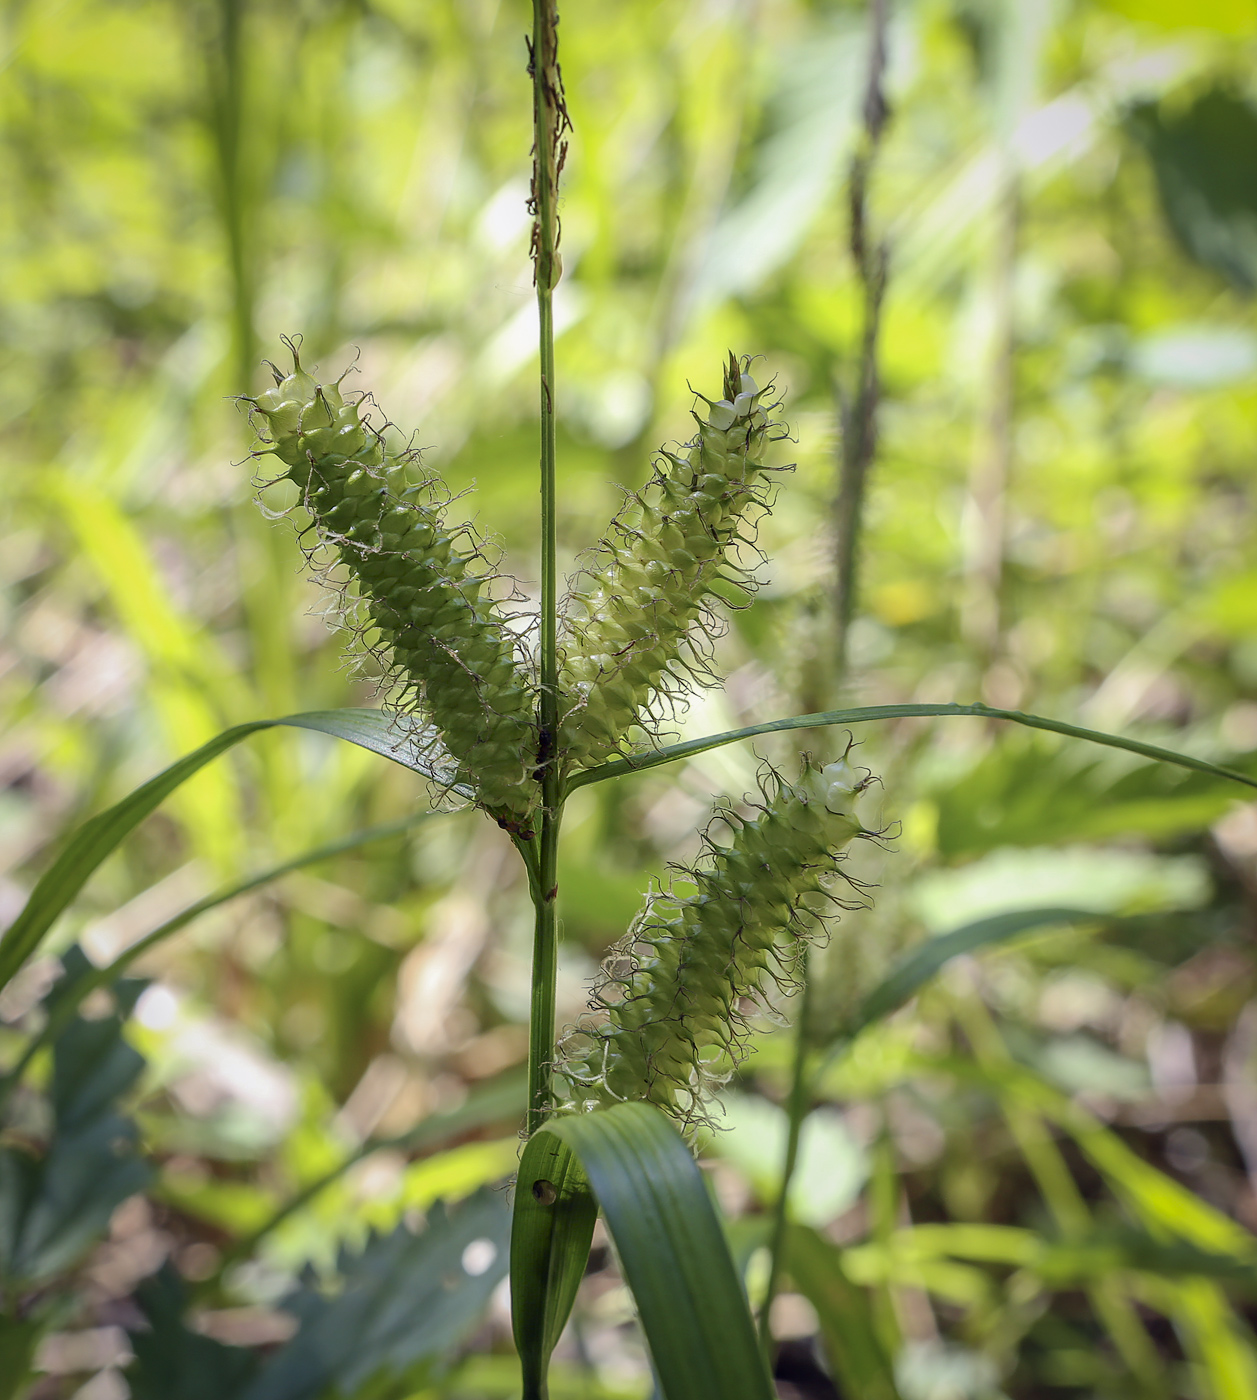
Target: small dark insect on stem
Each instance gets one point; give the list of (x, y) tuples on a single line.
[(858, 400)]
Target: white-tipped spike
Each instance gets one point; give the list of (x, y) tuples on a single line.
[(841, 784)]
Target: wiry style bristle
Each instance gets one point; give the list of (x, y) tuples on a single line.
[(422, 585), (670, 1009), (639, 621)]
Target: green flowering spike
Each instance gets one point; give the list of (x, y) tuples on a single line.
[(637, 619), (669, 1019), (439, 633)]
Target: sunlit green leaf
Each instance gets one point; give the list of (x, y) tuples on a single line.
[(1237, 18)]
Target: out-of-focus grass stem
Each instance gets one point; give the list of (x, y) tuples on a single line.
[(227, 97), (796, 1107), (266, 574), (1065, 1201), (858, 400)]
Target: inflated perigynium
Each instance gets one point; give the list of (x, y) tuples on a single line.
[(436, 627), (669, 1018), (635, 621)]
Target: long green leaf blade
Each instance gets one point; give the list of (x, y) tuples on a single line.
[(924, 961), (672, 1251), (102, 834), (864, 714)]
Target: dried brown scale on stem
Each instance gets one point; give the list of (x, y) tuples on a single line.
[(438, 631), (671, 1009), (551, 122), (638, 621)]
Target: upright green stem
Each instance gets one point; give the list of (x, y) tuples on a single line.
[(796, 1107), (858, 402), (262, 552), (545, 952), (549, 124), (227, 108)]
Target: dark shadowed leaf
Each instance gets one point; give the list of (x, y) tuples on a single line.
[(18, 1339), (55, 1206), (1205, 159), (172, 1362), (398, 1307)]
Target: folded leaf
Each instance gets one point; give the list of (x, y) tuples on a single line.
[(671, 1248)]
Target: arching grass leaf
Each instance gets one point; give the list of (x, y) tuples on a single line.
[(865, 714), (923, 961), (72, 992), (98, 838)]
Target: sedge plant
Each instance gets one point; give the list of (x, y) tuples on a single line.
[(513, 714), (515, 718)]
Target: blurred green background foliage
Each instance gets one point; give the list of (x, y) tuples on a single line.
[(1039, 1179)]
